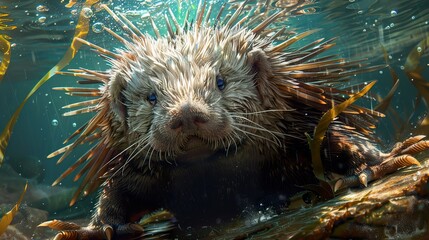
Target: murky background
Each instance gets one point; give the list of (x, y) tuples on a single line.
[(363, 28)]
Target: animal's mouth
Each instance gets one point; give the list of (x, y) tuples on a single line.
[(196, 149)]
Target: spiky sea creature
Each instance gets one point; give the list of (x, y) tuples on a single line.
[(211, 119)]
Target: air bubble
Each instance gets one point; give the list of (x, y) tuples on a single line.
[(98, 27), (87, 12), (74, 125), (41, 19), (144, 14), (419, 49), (42, 8), (393, 13), (54, 122)]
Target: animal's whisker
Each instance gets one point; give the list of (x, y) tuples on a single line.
[(272, 133), (122, 167), (264, 111), (119, 154), (136, 151), (254, 135), (150, 159), (266, 130), (147, 153), (260, 127), (146, 146)]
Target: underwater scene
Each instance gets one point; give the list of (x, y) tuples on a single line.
[(222, 119)]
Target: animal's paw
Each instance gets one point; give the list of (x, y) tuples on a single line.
[(400, 156), (72, 231)]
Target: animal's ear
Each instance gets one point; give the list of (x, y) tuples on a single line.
[(117, 86), (262, 69)]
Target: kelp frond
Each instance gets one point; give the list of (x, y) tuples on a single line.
[(8, 217), (81, 31), (316, 140), (4, 43)]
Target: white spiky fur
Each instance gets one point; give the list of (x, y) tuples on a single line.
[(264, 83), (183, 70)]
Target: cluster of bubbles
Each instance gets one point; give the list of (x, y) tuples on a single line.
[(98, 27), (41, 9), (389, 26), (55, 123)]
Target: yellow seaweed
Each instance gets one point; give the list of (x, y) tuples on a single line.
[(81, 31), (162, 215), (414, 73), (5, 49), (322, 127), (385, 103), (414, 70), (71, 3), (4, 43), (8, 217)]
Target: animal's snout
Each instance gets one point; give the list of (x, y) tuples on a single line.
[(189, 117)]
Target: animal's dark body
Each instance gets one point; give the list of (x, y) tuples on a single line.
[(220, 187), (212, 119)]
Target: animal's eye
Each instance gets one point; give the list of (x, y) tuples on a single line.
[(152, 98), (220, 82)]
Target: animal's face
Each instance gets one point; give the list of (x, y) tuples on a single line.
[(193, 94)]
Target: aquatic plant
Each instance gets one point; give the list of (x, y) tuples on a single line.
[(315, 142), (414, 70), (4, 42), (8, 217), (81, 31), (384, 103)]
